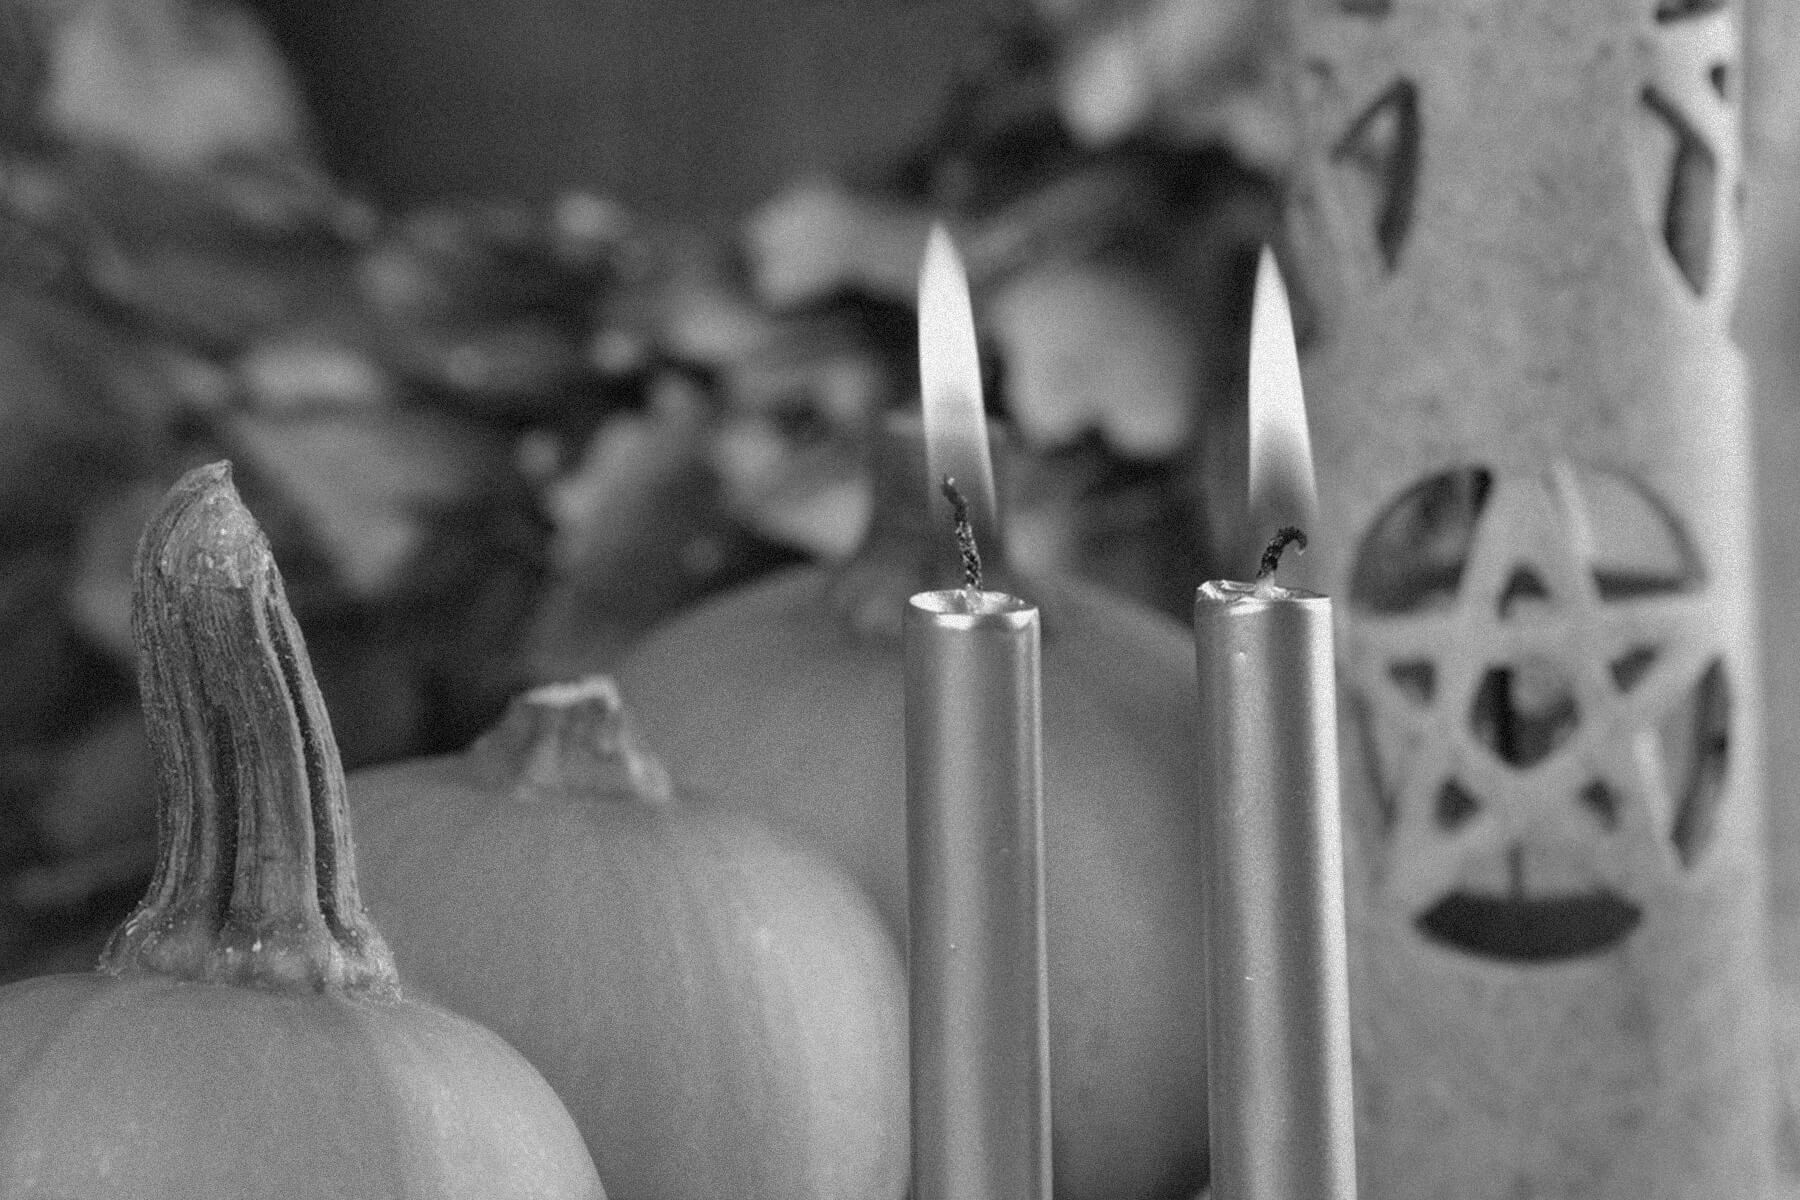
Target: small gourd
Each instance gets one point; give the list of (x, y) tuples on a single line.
[(244, 1034), (788, 693), (724, 1012)]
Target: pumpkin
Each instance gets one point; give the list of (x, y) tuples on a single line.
[(724, 1013), (245, 1035), (789, 692)]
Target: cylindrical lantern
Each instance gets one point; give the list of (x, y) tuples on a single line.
[(1515, 224)]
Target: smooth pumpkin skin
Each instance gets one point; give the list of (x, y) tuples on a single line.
[(722, 1012), (765, 697), (144, 1087)]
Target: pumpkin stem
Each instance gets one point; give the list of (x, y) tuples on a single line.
[(255, 881), (573, 735), (905, 550)]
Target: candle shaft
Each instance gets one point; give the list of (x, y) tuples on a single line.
[(1282, 1112), (974, 795)]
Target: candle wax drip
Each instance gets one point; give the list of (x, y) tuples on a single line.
[(965, 535)]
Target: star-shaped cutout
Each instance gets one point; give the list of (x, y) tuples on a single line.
[(1530, 634)]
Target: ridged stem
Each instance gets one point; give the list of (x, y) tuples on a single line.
[(572, 735), (256, 880)]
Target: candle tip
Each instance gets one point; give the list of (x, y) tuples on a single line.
[(956, 438), (1281, 483), (1271, 557), (965, 535)]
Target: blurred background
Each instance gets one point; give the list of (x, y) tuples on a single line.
[(527, 325)]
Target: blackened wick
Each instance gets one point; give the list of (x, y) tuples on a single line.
[(1271, 557), (965, 535)]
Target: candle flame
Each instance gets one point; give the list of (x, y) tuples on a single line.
[(956, 439), (1282, 488)]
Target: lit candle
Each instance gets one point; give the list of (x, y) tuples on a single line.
[(974, 802), (1278, 1022)]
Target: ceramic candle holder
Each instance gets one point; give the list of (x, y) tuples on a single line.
[(1516, 232)]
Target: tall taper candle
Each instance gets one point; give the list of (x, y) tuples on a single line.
[(980, 1025), (1278, 1022), (974, 814), (1278, 1011)]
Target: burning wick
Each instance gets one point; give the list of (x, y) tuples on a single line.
[(1271, 556), (965, 536)]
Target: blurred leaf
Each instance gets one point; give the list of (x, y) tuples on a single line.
[(366, 483), (641, 531), (82, 408), (104, 794), (23, 69), (98, 593), (182, 82)]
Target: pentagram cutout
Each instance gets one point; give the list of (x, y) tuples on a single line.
[(1534, 672)]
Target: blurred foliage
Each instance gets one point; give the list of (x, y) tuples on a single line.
[(495, 441)]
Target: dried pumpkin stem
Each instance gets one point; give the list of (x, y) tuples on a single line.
[(256, 881), (571, 736)]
